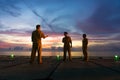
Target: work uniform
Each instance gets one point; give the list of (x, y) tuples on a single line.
[(67, 47), (37, 45), (84, 48)]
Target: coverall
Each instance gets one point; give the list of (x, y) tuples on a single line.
[(67, 47), (84, 48), (37, 45)]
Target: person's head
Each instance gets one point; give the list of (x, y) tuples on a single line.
[(84, 35), (65, 33), (38, 27)]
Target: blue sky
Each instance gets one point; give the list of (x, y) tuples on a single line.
[(100, 19)]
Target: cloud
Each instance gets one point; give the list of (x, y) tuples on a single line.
[(14, 32), (1, 25), (4, 44), (60, 18), (102, 21), (9, 7), (7, 45), (111, 47)]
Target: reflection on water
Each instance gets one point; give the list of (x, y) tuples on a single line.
[(52, 53)]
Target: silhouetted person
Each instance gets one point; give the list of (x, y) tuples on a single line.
[(37, 44), (67, 46), (84, 47)]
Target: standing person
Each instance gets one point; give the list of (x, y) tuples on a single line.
[(84, 47), (67, 46), (37, 44)]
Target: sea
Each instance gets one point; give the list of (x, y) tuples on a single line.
[(60, 53)]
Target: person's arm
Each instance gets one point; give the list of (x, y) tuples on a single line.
[(86, 41), (46, 36), (71, 42), (63, 40), (43, 36), (33, 36)]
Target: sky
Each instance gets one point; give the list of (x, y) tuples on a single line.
[(99, 19)]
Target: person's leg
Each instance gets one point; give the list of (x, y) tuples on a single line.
[(40, 54), (64, 55), (85, 54), (69, 54), (33, 53)]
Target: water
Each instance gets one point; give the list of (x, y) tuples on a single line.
[(52, 53)]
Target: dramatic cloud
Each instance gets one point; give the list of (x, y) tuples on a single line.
[(100, 19), (105, 20), (9, 7)]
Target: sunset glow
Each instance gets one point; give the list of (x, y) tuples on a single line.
[(99, 19)]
